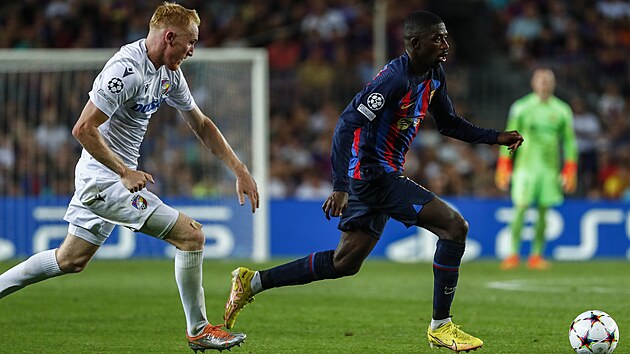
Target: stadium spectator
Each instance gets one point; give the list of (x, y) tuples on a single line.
[(371, 139), (312, 186), (315, 77), (588, 132), (524, 30), (50, 133), (610, 103), (7, 152), (110, 190), (558, 18), (615, 10), (324, 23)]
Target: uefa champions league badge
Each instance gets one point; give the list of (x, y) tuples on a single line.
[(139, 202), (115, 85)]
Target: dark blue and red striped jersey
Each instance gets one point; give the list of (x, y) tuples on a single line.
[(376, 129)]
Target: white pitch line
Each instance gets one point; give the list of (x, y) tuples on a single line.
[(530, 285)]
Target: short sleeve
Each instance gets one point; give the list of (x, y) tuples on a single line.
[(181, 98), (383, 91), (115, 85)]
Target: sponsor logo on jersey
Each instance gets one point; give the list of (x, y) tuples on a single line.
[(104, 96), (431, 95), (128, 71), (405, 122), (139, 202), (366, 112), (165, 86), (147, 108), (375, 101), (115, 85), (407, 105)]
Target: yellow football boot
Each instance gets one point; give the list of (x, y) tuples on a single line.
[(451, 337), (240, 295)]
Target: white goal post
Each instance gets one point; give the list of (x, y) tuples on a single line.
[(229, 84)]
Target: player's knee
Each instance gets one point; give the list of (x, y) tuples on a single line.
[(346, 267), (459, 229), (192, 241), (73, 264), (198, 240), (187, 235)]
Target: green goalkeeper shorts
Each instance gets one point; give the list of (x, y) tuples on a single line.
[(541, 188)]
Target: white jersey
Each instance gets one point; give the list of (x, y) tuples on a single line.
[(129, 90)]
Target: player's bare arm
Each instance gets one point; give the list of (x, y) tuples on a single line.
[(86, 132), (335, 204), (511, 139), (208, 133)]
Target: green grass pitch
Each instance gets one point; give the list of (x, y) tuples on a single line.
[(133, 307)]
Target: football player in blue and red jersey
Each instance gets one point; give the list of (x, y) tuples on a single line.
[(372, 136)]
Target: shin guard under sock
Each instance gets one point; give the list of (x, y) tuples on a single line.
[(316, 266), (446, 261)]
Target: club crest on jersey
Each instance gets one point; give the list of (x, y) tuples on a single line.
[(115, 85), (375, 101), (165, 86), (139, 202)]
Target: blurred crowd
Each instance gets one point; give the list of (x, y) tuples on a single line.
[(320, 55)]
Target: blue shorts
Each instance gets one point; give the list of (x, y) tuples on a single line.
[(372, 203)]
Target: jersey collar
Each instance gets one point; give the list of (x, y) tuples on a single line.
[(143, 45)]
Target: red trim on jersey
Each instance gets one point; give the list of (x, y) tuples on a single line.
[(406, 103), (391, 138), (425, 99), (395, 131), (355, 146)]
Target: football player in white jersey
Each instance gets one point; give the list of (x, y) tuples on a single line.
[(110, 190)]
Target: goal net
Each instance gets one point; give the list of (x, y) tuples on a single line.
[(42, 93)]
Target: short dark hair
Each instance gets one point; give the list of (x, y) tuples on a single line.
[(419, 22)]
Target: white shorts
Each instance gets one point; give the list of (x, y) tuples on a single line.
[(100, 202)]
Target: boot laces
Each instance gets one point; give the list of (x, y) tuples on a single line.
[(217, 332)]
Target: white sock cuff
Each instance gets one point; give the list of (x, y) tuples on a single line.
[(435, 324), (256, 283), (49, 263), (188, 259)]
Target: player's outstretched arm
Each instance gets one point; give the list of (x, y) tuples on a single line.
[(208, 133), (512, 139)]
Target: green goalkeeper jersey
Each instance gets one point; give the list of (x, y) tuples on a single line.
[(545, 127)]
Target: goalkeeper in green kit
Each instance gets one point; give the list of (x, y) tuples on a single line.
[(546, 123)]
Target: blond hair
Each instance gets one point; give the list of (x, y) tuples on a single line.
[(172, 14)]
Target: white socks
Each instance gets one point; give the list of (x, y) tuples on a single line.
[(188, 275), (38, 267), (256, 283), (435, 324)]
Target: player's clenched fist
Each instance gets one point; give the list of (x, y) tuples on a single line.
[(336, 203)]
